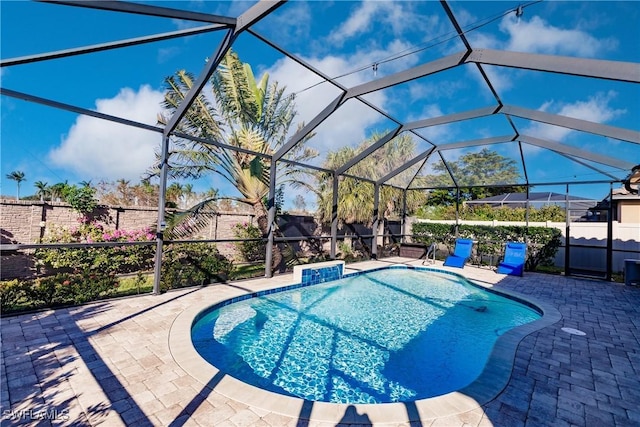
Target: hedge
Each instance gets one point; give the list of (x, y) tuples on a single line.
[(542, 242)]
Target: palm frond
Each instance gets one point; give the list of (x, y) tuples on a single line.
[(232, 91), (181, 225)]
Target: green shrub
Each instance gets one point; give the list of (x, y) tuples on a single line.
[(116, 260), (250, 251), (67, 288), (44, 291), (488, 213), (11, 292), (193, 264), (56, 290)]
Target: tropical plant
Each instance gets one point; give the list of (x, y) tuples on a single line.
[(124, 190), (174, 194), (299, 203), (356, 197), (43, 189), (58, 190), (187, 193), (246, 113), (18, 177)]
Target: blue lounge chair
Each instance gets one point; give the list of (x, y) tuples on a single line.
[(514, 257), (461, 253)]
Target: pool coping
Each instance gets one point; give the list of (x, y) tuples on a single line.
[(485, 388)]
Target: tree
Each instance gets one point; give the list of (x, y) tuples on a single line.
[(211, 193), (187, 194), (356, 197), (58, 190), (82, 200), (18, 177), (472, 171), (174, 194), (146, 194), (121, 192), (43, 189), (246, 113), (122, 186)]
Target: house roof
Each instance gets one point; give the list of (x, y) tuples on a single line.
[(536, 199)]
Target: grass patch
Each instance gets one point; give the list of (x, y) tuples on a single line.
[(134, 285), (247, 271)]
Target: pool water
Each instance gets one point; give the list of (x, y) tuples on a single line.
[(390, 335)]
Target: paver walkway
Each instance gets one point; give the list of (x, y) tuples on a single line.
[(109, 363)]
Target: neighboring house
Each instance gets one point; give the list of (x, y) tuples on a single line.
[(626, 206)]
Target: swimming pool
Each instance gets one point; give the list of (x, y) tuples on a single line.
[(391, 335)]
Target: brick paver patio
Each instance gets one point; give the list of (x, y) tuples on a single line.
[(110, 363)]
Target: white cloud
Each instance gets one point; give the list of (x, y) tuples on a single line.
[(379, 16), (595, 109), (98, 149), (538, 36), (534, 35), (360, 20), (345, 127)]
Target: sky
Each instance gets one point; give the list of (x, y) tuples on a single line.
[(339, 38)]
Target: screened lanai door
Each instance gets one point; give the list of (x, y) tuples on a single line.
[(587, 246)]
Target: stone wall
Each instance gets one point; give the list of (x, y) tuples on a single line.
[(27, 221)]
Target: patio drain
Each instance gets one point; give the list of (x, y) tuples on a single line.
[(573, 331)]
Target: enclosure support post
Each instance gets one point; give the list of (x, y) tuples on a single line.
[(526, 212), (457, 211), (334, 217), (376, 221), (610, 235), (271, 219), (161, 224), (567, 234), (404, 217)]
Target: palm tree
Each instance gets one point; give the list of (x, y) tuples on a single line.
[(57, 191), (248, 114), (122, 187), (18, 177), (211, 193), (187, 193), (356, 197), (174, 193), (43, 189), (147, 192)]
